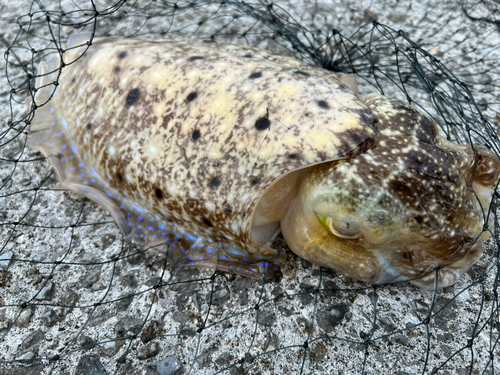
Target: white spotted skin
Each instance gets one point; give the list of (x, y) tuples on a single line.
[(178, 139), (413, 204)]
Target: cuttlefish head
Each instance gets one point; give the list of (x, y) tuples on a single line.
[(411, 208)]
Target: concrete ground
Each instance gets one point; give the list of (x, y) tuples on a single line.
[(76, 299)]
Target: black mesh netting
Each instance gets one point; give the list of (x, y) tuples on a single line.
[(76, 299)]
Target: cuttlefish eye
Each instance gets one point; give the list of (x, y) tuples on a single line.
[(343, 227)]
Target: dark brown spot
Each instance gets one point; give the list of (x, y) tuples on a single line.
[(73, 80), (254, 181), (228, 210), (132, 97), (419, 219), (89, 126), (263, 123), (122, 55), (407, 255), (191, 97), (214, 183), (293, 156), (255, 75), (302, 73), (196, 135), (323, 104), (159, 193), (194, 58), (207, 222), (116, 69), (248, 55), (119, 177)]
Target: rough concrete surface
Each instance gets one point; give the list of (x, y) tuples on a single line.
[(76, 299)]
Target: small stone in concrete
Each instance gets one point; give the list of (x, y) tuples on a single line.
[(220, 296), (5, 278), (35, 369), (153, 329), (267, 318), (327, 320), (90, 365), (70, 298), (183, 317), (110, 348), (169, 366), (92, 276), (86, 342), (5, 259), (50, 318), (205, 357), (128, 326), (148, 351), (25, 317), (32, 342), (28, 356), (47, 292)]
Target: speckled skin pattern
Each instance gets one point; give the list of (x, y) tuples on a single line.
[(409, 202), (179, 138)]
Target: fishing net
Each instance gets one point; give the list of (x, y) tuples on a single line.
[(76, 299)]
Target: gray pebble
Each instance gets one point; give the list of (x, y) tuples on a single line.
[(35, 369), (482, 104), (319, 352), (272, 342), (5, 278), (267, 318), (484, 79), (32, 342), (5, 322), (50, 318), (28, 356), (25, 180), (128, 326), (12, 149), (107, 240), (220, 296), (421, 306), (153, 329), (90, 365), (289, 269), (100, 316), (182, 317), (467, 77), (5, 259), (47, 292), (129, 280), (205, 357), (168, 366), (86, 342), (400, 339), (148, 351), (124, 303), (92, 277), (153, 281), (70, 298), (224, 359), (110, 348), (369, 16), (24, 318), (244, 284), (328, 319)]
